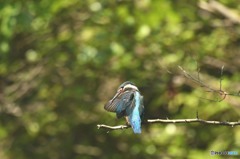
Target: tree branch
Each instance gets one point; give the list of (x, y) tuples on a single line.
[(223, 94), (214, 6), (113, 127), (174, 121)]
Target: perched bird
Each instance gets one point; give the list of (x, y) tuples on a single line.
[(128, 103)]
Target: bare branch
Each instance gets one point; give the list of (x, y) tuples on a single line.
[(214, 6), (113, 127), (168, 121), (224, 123), (197, 80)]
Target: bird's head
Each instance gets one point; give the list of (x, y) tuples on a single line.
[(127, 86)]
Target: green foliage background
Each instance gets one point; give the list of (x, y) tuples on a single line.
[(61, 61)]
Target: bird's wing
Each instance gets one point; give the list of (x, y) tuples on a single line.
[(125, 102), (130, 108), (119, 102)]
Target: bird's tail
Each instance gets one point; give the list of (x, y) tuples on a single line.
[(135, 119), (136, 124)]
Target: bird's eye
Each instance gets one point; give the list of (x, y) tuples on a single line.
[(120, 89)]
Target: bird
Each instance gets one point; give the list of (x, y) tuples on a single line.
[(128, 103)]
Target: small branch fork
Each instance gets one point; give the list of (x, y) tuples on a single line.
[(174, 121), (223, 94)]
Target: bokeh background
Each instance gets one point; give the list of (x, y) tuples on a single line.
[(62, 60)]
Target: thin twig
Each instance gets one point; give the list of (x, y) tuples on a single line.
[(221, 78), (174, 121), (224, 123), (214, 6), (113, 127), (197, 80)]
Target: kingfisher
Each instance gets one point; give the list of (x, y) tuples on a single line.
[(128, 103)]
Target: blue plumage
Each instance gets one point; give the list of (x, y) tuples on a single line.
[(128, 103), (135, 119)]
